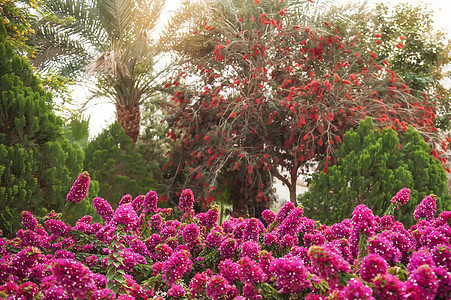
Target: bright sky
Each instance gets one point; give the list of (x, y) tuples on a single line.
[(442, 10), (102, 114)]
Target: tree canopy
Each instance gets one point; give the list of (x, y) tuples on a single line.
[(275, 95), (426, 52), (112, 159)]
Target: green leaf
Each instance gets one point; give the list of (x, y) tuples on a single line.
[(119, 278), (110, 284), (153, 279), (110, 274), (115, 288), (122, 272), (268, 292)]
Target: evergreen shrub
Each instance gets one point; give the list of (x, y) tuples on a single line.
[(113, 161), (372, 165)]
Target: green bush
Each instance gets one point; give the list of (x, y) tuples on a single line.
[(372, 165), (37, 164), (113, 161)]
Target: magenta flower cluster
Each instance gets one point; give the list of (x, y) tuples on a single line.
[(283, 256), (80, 188), (426, 209), (401, 198), (103, 208), (126, 216), (186, 202)]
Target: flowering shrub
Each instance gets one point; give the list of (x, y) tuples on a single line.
[(140, 252)]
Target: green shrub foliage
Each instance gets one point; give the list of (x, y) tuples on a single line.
[(113, 161), (37, 164), (372, 165)]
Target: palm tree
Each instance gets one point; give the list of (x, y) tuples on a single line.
[(111, 39)]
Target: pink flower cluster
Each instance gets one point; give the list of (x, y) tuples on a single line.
[(401, 198), (426, 209), (285, 256), (79, 190)]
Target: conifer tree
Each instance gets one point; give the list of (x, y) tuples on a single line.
[(114, 162), (372, 165), (37, 165)]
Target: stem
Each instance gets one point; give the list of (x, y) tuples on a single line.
[(291, 185), (114, 274), (280, 177), (67, 211), (362, 245), (390, 210), (221, 213)]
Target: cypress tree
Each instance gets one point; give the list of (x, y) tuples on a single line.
[(372, 165), (37, 165)]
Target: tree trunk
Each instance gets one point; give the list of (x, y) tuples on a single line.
[(130, 119), (240, 205), (292, 187), (291, 184)]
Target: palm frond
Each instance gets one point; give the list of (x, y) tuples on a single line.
[(54, 48), (150, 84), (65, 44), (225, 10), (80, 18), (140, 48), (182, 21), (179, 32), (117, 16), (328, 10), (356, 12), (148, 14), (50, 44), (77, 131), (308, 13)]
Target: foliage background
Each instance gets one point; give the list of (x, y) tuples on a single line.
[(112, 159)]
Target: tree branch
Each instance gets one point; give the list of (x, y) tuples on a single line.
[(280, 177)]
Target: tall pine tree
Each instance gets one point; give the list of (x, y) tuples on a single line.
[(37, 164)]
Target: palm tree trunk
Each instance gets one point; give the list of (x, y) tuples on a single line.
[(130, 119)]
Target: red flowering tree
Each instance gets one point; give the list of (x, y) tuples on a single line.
[(273, 97)]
